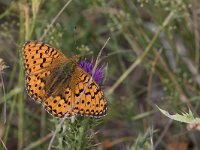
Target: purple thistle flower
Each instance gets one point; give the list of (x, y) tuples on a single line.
[(99, 73)]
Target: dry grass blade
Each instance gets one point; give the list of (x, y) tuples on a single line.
[(3, 144), (54, 20), (39, 142), (2, 67), (164, 132)]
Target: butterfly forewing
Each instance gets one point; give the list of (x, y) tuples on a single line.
[(39, 61), (39, 57)]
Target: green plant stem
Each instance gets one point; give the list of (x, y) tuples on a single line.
[(12, 108), (82, 140), (139, 59), (21, 83), (20, 113)]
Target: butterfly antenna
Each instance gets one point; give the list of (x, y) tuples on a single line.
[(75, 37)]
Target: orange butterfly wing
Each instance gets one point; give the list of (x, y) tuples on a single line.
[(90, 103), (39, 61), (43, 65)]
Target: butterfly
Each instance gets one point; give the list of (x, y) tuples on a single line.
[(59, 84)]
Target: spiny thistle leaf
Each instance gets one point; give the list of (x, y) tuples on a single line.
[(183, 117)]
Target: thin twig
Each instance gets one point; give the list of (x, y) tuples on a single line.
[(39, 142), (54, 20), (78, 99), (3, 144), (113, 53), (4, 98), (163, 133), (151, 137), (2, 67)]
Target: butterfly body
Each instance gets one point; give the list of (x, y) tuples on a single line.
[(59, 83)]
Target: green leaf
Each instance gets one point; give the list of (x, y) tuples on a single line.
[(184, 117)]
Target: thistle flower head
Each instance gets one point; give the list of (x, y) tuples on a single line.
[(98, 73)]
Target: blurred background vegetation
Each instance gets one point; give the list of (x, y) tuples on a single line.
[(153, 59)]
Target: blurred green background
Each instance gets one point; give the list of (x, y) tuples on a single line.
[(153, 59)]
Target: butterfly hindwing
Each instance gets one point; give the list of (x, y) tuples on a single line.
[(78, 98), (39, 61), (87, 94)]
